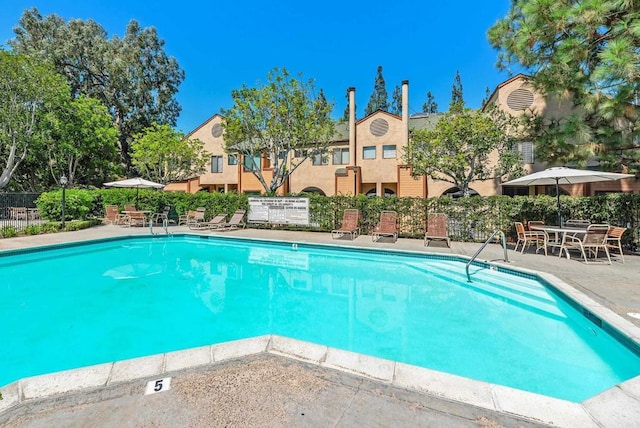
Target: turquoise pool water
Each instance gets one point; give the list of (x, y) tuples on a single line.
[(88, 304)]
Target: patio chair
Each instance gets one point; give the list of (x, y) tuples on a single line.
[(113, 216), (130, 208), (162, 216), (437, 229), (236, 222), (195, 217), (614, 239), (182, 219), (577, 223), (591, 242), (213, 223), (387, 226), (136, 218), (528, 237), (534, 223), (350, 225)]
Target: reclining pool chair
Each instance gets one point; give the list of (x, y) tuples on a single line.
[(437, 229), (235, 222), (387, 226), (350, 221)]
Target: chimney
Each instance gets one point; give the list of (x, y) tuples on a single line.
[(352, 125), (405, 111)]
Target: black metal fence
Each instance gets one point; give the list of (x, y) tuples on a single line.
[(18, 210)]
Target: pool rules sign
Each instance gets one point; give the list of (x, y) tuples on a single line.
[(279, 211)]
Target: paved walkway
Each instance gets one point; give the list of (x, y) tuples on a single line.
[(271, 390)]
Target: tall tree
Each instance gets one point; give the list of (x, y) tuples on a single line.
[(430, 106), (283, 121), (586, 53), (345, 114), (379, 97), (132, 76), (163, 154), (456, 105), (81, 142), (487, 95), (29, 90), (458, 149), (396, 101)]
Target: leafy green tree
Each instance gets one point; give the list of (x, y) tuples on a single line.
[(379, 97), (282, 120), (28, 89), (164, 155), (430, 106), (458, 149), (132, 76), (456, 105), (345, 114), (487, 95), (586, 53), (82, 142), (396, 101)]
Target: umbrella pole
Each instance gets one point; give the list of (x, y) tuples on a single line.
[(137, 191), (558, 203)]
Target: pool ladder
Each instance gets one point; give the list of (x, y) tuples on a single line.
[(165, 225), (504, 245)]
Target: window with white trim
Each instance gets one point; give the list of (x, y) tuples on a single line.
[(232, 160)]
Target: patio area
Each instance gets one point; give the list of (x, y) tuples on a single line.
[(272, 390)]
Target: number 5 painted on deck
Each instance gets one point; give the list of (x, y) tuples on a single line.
[(158, 385)]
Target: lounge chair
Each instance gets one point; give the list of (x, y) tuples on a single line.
[(593, 240), (387, 226), (113, 216), (350, 220), (528, 237), (214, 223), (236, 222), (437, 229), (195, 217), (614, 239)]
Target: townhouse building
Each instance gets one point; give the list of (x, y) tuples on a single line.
[(366, 155)]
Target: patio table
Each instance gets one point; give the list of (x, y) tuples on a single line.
[(561, 234)]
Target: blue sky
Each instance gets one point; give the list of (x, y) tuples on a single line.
[(222, 45)]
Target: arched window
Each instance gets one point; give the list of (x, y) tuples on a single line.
[(455, 192), (387, 192), (313, 190)]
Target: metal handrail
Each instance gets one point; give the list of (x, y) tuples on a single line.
[(504, 245)]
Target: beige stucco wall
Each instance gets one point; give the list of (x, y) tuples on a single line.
[(379, 171), (228, 178)]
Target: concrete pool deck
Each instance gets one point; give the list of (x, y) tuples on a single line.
[(274, 381)]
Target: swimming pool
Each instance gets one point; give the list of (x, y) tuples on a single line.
[(125, 298)]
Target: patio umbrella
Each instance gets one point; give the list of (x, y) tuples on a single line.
[(563, 175), (137, 183)]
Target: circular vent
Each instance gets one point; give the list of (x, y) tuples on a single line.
[(216, 130), (379, 127), (520, 99)]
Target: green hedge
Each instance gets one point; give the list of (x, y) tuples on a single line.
[(470, 219)]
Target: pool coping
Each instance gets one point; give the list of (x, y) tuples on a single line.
[(617, 406)]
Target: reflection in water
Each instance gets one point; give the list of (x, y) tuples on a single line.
[(134, 271)]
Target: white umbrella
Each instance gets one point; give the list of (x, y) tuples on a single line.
[(137, 183), (563, 175)]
